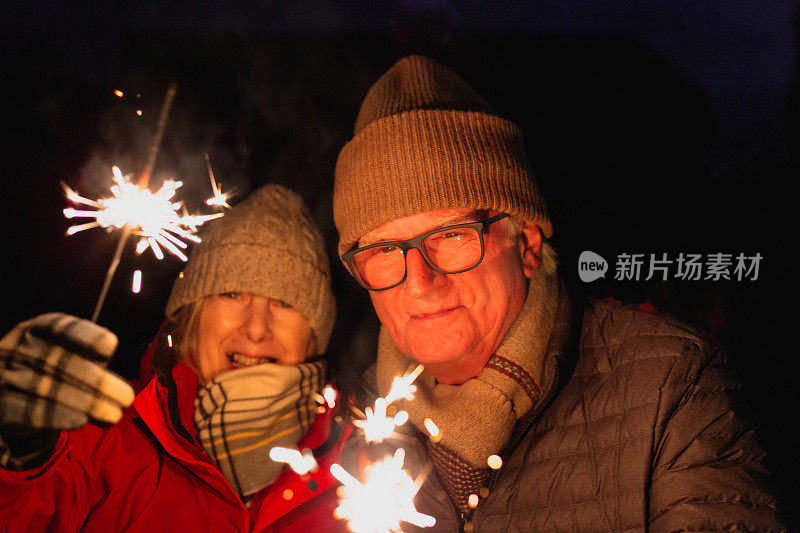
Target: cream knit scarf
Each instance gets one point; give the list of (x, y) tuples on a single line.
[(240, 415), (476, 418)]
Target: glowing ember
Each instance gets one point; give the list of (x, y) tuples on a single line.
[(118, 93), (400, 418), (151, 215), (137, 281), (328, 397), (402, 386), (301, 463), (329, 393), (384, 500), (139, 112), (218, 199), (432, 428), (169, 341), (472, 501)]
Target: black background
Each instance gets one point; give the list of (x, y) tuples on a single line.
[(652, 127)]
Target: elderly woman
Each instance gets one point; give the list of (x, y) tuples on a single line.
[(238, 371)]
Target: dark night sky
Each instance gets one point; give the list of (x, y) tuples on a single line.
[(652, 127)]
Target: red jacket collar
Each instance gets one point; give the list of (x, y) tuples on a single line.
[(325, 438)]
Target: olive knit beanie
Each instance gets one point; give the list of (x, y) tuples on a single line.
[(425, 140), (266, 245)]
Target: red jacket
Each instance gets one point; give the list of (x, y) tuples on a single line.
[(142, 475)]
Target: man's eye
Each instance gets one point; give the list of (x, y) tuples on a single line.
[(231, 295), (387, 249), (453, 234), (282, 304)]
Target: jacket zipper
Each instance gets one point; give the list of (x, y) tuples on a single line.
[(532, 419), (463, 516)]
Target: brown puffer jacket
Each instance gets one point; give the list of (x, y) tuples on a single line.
[(638, 428)]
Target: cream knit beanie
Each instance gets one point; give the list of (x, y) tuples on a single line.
[(267, 245), (425, 140)]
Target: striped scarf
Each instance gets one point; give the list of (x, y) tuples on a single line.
[(240, 415)]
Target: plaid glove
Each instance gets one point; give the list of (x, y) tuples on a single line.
[(53, 376)]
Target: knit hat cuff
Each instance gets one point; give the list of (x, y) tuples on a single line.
[(245, 267), (428, 159)]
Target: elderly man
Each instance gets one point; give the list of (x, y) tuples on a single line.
[(602, 416)]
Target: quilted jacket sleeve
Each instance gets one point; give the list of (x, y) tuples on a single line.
[(708, 471)]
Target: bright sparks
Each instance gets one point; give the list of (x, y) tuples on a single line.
[(301, 463), (219, 199), (402, 386), (328, 397), (384, 500), (137, 281), (401, 418), (329, 393), (376, 425), (151, 215), (495, 462), (473, 501), (432, 428)]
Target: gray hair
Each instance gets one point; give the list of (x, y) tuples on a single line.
[(549, 259)]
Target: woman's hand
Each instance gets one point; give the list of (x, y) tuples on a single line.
[(53, 376)]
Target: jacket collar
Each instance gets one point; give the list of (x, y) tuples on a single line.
[(325, 438)]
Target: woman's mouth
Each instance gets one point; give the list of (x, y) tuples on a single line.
[(238, 360)]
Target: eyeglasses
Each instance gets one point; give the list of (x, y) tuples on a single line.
[(449, 250)]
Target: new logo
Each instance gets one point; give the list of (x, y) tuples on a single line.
[(591, 266)]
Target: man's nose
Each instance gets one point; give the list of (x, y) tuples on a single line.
[(257, 324), (420, 278)]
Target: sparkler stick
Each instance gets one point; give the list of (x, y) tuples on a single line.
[(112, 269), (144, 180)]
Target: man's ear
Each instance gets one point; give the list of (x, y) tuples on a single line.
[(530, 246)]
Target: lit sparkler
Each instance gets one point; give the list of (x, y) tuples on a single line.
[(376, 425), (384, 500), (151, 215), (133, 208), (402, 386)]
